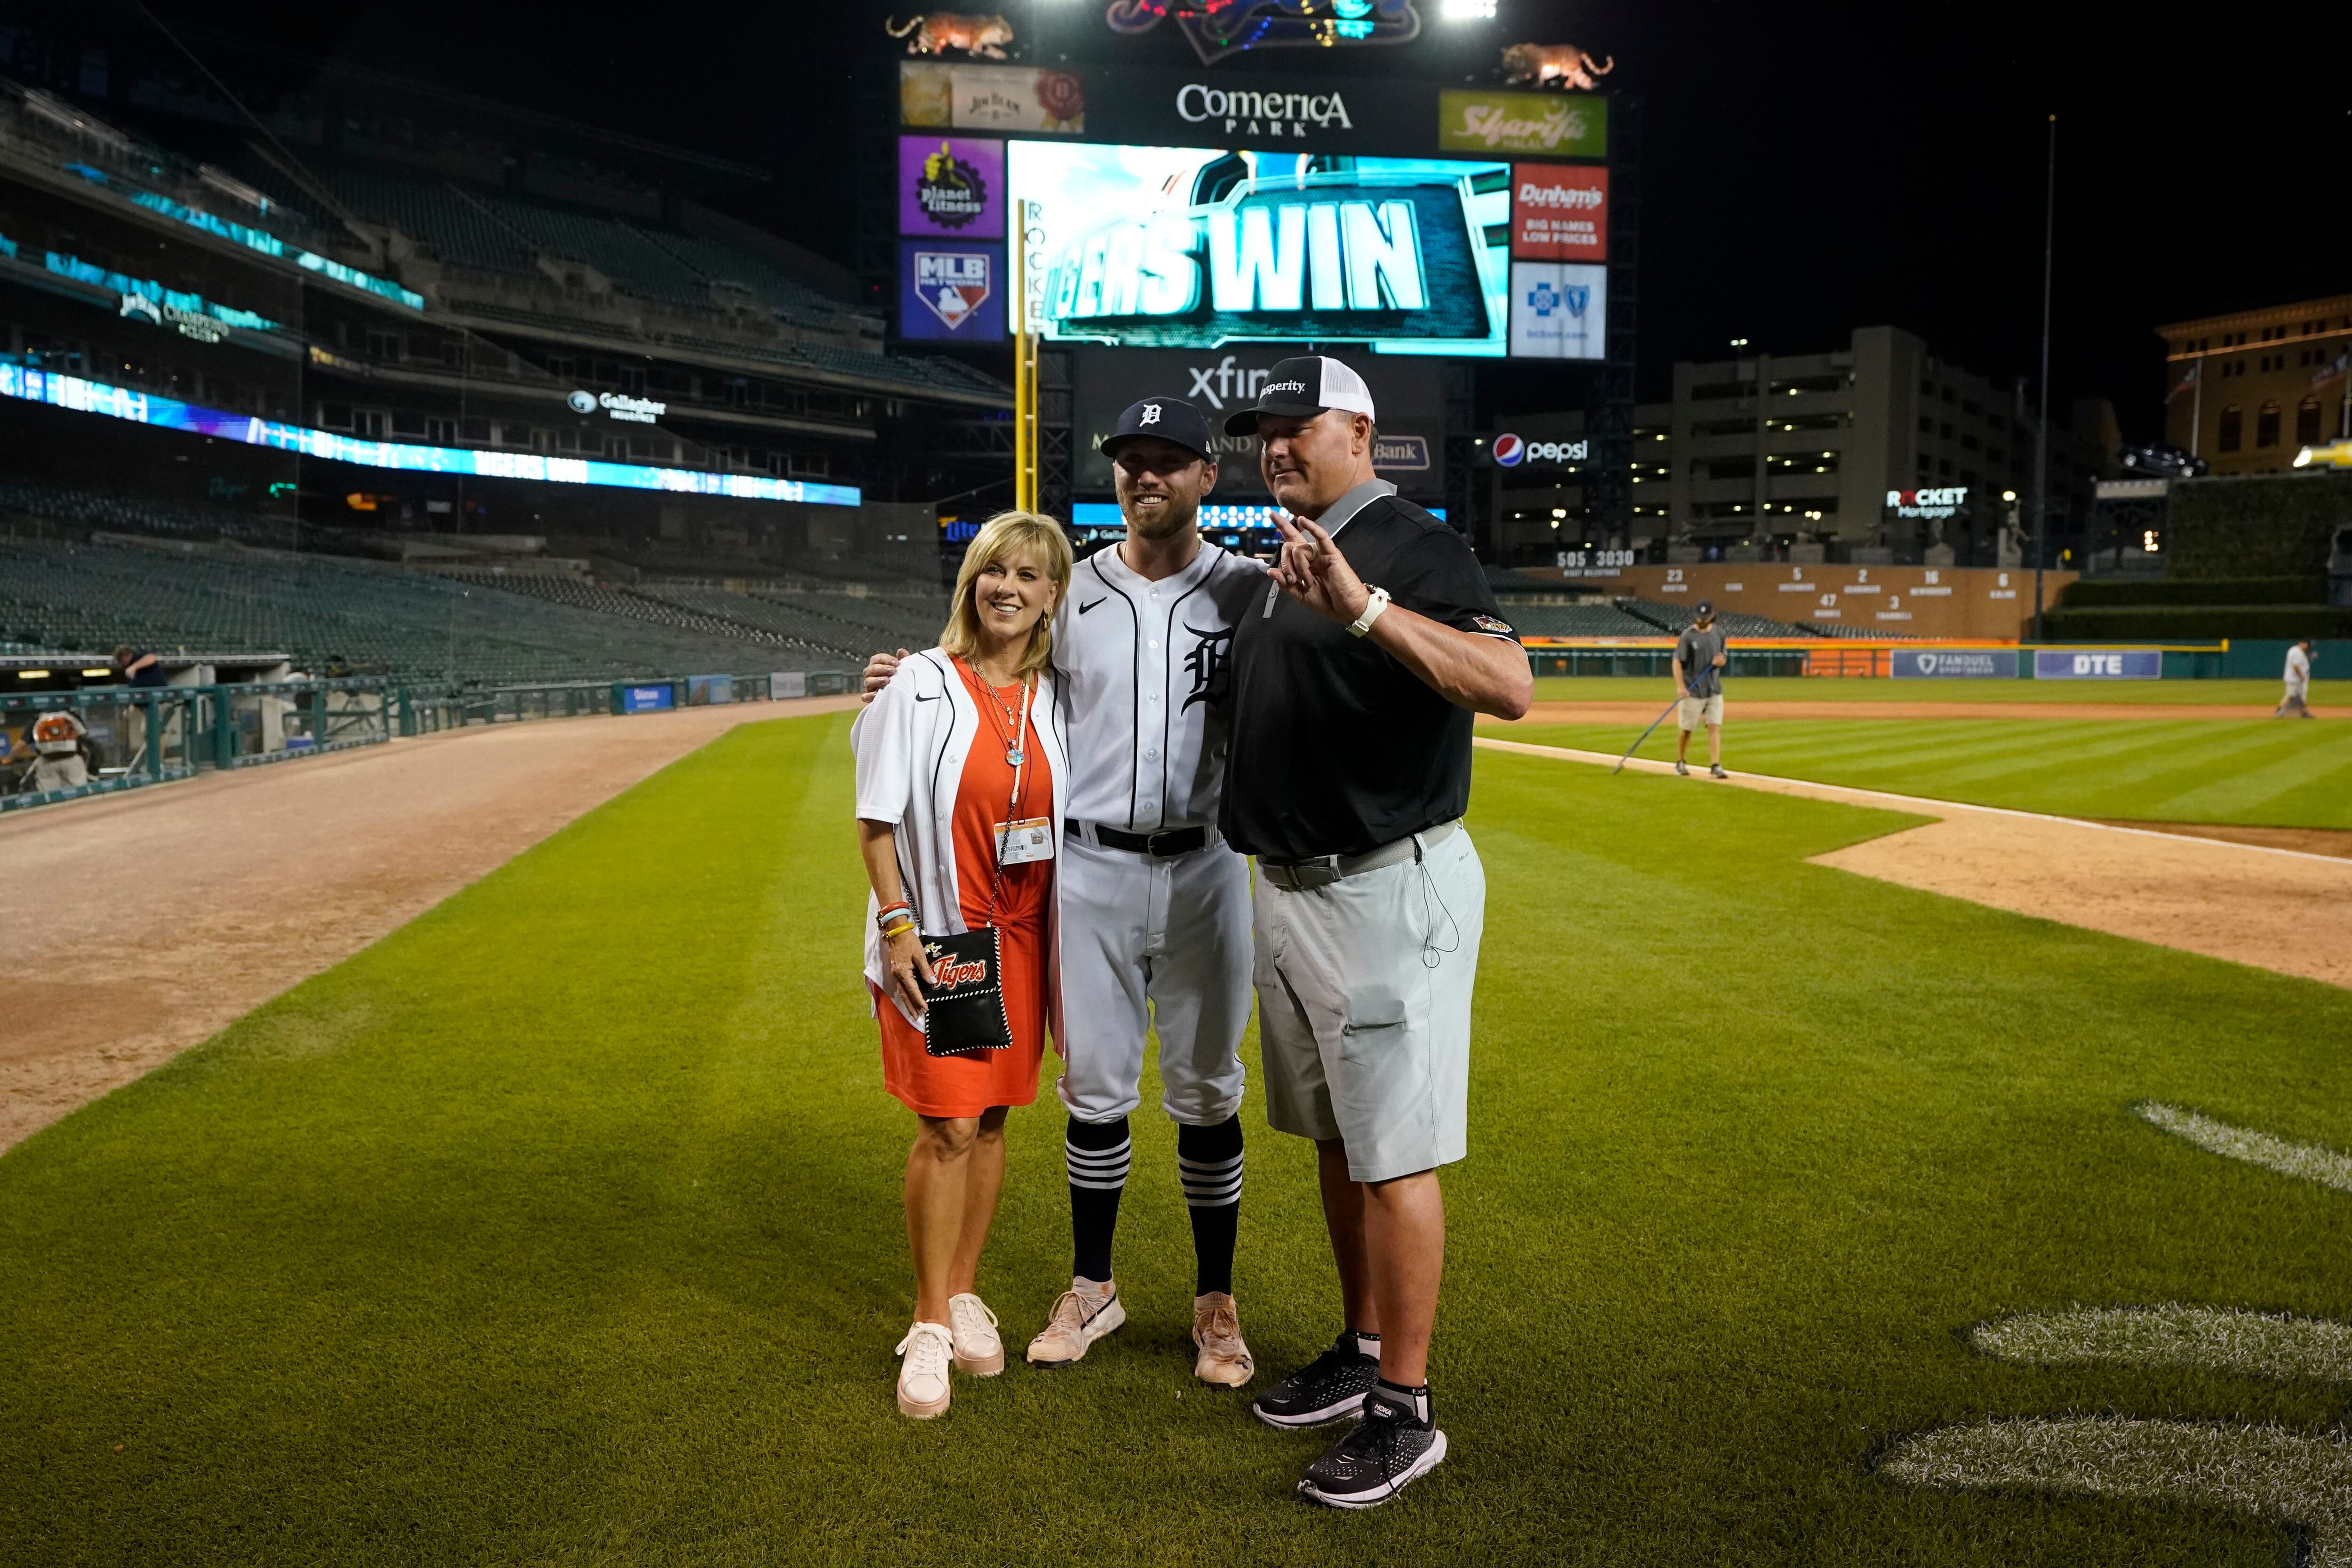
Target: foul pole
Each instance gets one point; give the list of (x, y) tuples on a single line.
[(1025, 371), (2042, 425)]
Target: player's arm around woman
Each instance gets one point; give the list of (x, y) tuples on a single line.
[(959, 771)]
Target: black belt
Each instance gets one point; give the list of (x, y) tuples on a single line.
[(1164, 844)]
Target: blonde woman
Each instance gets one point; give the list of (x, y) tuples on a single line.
[(960, 763)]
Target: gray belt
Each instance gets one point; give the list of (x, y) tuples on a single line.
[(1321, 870)]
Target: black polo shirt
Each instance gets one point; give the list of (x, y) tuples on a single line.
[(1335, 746)]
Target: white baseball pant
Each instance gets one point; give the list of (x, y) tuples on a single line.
[(1147, 942)]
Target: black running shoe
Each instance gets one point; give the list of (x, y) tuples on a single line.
[(1385, 1452), (1330, 1387)]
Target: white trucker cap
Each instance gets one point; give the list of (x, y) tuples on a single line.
[(1301, 388)]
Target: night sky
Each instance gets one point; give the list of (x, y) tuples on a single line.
[(1807, 170)]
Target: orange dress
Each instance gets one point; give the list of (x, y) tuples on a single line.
[(968, 1085)]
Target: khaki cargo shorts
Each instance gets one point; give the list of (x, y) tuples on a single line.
[(1698, 710)]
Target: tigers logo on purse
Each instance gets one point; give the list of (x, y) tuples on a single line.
[(964, 1003)]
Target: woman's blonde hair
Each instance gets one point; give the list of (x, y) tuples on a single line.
[(1001, 538)]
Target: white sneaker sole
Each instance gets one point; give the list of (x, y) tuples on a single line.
[(980, 1365), (1420, 1467), (918, 1409), (1102, 1324)]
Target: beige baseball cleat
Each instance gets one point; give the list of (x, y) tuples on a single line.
[(979, 1349), (1224, 1360), (923, 1370), (1081, 1315)]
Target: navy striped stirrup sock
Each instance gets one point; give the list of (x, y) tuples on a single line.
[(1209, 1161), (1096, 1154)]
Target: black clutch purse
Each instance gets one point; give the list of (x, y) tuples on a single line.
[(964, 1006)]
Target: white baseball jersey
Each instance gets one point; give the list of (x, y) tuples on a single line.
[(1143, 674), (2298, 670)]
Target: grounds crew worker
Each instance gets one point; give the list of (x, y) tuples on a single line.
[(2296, 703), (1699, 681), (1155, 907), (1355, 672)]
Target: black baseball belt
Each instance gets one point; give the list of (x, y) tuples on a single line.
[(1165, 844)]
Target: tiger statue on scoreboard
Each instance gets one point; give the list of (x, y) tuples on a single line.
[(1561, 66), (936, 32)]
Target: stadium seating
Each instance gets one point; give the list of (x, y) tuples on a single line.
[(332, 612), (1576, 621), (1673, 618), (85, 509)]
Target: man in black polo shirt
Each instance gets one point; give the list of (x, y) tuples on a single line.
[(1348, 771)]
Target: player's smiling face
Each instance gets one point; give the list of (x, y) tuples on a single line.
[(1160, 485)]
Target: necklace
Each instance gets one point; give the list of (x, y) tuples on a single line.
[(1001, 716)]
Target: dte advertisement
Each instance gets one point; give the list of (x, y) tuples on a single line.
[(1177, 248), (2098, 664)]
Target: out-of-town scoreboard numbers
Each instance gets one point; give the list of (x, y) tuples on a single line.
[(1168, 209)]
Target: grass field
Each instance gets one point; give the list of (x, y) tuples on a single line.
[(561, 1227), (1657, 691), (2252, 771)]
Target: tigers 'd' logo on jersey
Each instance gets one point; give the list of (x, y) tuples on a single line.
[(1208, 664)]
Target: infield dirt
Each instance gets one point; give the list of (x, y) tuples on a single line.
[(165, 913), (2275, 908)]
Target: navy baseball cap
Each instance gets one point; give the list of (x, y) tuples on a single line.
[(1301, 388), (1704, 610), (1171, 419)]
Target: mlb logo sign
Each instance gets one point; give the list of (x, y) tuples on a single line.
[(953, 283), (949, 291)]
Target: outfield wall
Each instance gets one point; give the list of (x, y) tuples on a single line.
[(1968, 604)]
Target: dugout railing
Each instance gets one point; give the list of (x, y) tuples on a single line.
[(136, 735)]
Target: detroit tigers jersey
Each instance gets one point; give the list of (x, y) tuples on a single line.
[(1143, 668)]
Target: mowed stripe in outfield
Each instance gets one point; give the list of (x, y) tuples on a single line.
[(562, 1226), (2279, 772)]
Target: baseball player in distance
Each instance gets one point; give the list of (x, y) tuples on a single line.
[(1155, 907)]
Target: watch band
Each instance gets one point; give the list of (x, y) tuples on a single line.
[(1372, 608)]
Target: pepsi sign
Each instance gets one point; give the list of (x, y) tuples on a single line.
[(1510, 451)]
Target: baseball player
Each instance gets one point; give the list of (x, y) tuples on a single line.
[(1155, 908)]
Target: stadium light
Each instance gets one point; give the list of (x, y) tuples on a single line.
[(1467, 10)]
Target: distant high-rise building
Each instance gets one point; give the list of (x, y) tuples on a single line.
[(1777, 453)]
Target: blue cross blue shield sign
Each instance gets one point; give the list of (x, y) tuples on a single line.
[(1559, 309)]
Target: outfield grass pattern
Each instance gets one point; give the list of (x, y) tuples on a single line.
[(2255, 772), (562, 1227)]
